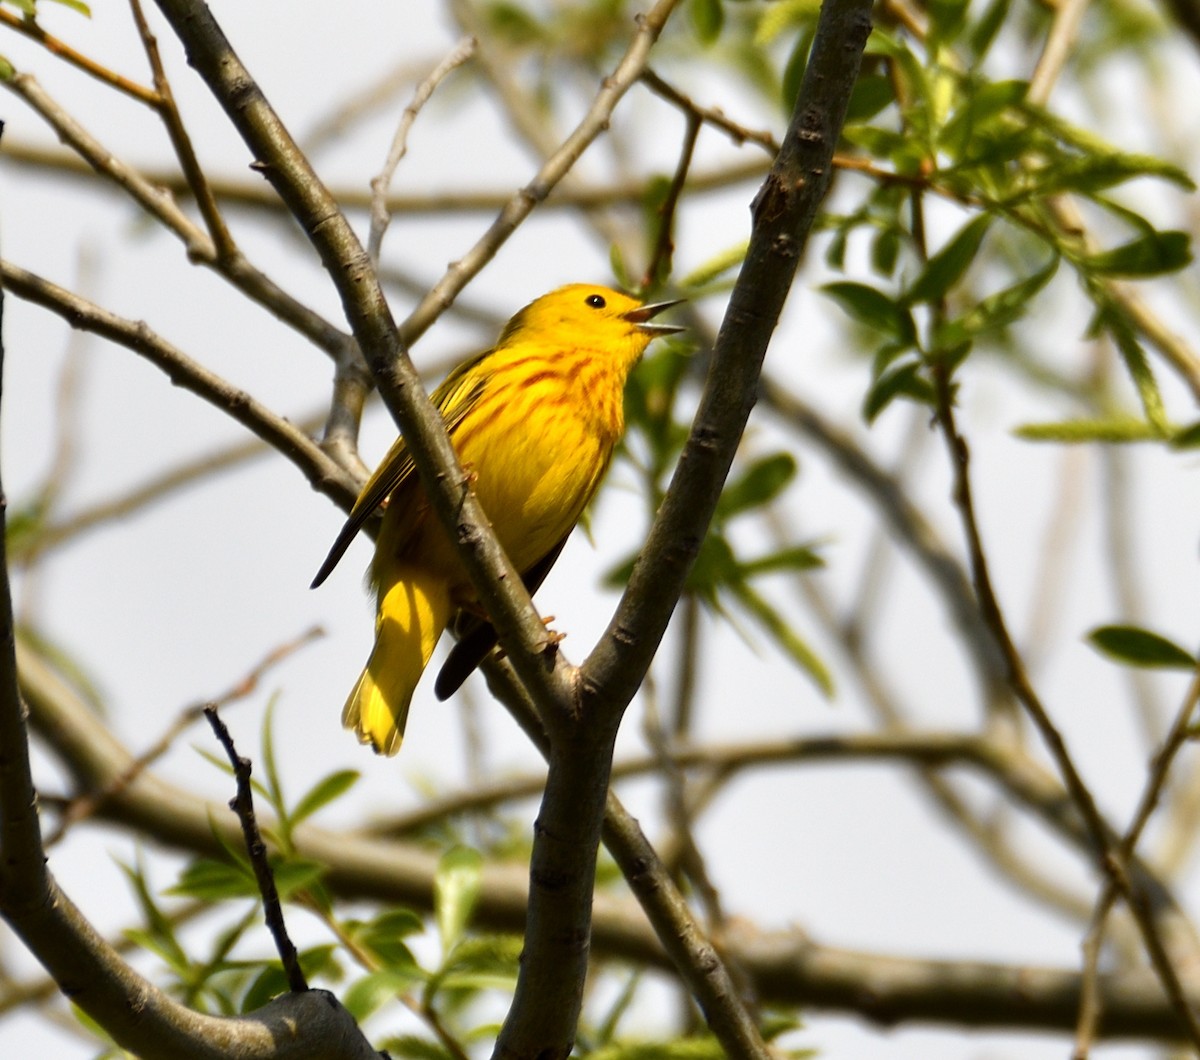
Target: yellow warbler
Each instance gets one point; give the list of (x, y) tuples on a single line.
[(534, 421)]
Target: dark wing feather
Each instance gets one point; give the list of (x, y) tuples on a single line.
[(477, 636), (454, 398)]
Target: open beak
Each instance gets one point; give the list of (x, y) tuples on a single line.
[(641, 317)]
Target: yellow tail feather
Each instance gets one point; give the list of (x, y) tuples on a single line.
[(413, 612)]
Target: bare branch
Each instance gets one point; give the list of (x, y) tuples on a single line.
[(237, 192), (223, 243), (380, 218)]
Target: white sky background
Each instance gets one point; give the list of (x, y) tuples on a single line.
[(175, 604)]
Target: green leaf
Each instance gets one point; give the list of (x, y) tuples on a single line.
[(620, 270), (274, 786), (455, 891), (759, 484), (874, 309), (296, 874), (75, 5), (270, 982), (783, 635), (793, 71), (904, 380), (160, 936), (778, 18), (413, 1047), (795, 558), (213, 881), (1114, 430), (1140, 647), (617, 576), (675, 1049), (946, 18), (982, 105), (996, 311), (385, 934), (872, 92), (513, 24), (708, 18), (715, 567), (1187, 437), (1137, 364), (26, 7), (369, 994), (324, 792), (716, 266), (67, 666), (983, 33), (1095, 172), (479, 963), (1150, 255), (885, 251), (7, 73), (947, 266)]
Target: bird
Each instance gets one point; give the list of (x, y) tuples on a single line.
[(534, 420)]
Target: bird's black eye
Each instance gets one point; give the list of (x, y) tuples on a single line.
[(596, 301)]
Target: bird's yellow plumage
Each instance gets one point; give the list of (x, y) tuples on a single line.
[(534, 420)]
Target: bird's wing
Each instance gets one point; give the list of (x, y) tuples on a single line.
[(477, 636), (458, 393)]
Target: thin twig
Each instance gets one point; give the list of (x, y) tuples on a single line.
[(223, 243), (89, 66), (526, 111), (713, 116), (1118, 509), (64, 463), (555, 168), (1064, 29), (659, 267), (1180, 732), (1055, 553), (380, 217), (243, 805), (351, 110), (235, 191), (1108, 855)]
